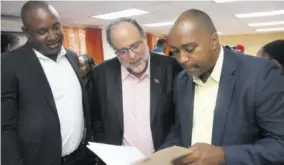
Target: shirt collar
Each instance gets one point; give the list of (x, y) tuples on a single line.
[(61, 54), (158, 51), (125, 73), (216, 73)]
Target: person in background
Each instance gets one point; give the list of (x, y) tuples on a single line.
[(171, 54), (45, 116), (133, 91), (228, 47), (86, 65), (274, 51), (9, 42), (239, 48), (229, 106), (160, 48)]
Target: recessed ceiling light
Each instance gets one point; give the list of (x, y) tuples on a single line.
[(266, 23), (270, 29), (160, 24), (260, 14), (223, 1), (123, 13)]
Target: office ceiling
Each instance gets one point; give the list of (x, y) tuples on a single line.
[(78, 13)]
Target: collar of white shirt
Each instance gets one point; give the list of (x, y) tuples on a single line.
[(216, 73), (61, 54)]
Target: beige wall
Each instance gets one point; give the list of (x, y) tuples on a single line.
[(252, 42)]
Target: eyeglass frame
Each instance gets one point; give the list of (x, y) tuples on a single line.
[(129, 48)]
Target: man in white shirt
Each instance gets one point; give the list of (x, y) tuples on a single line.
[(44, 106)]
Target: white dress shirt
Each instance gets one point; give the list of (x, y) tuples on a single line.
[(205, 97), (67, 94)]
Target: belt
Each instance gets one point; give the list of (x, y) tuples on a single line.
[(76, 155)]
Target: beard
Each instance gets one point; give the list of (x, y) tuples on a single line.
[(195, 73), (138, 65)]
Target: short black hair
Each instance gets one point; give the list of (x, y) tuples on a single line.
[(171, 53), (275, 50), (6, 39), (121, 20), (161, 42), (31, 5), (228, 47), (89, 59)]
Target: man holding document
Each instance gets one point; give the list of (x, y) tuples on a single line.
[(229, 106)]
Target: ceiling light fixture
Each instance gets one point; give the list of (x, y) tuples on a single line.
[(224, 1), (260, 14), (160, 24), (266, 23), (270, 29), (123, 13)]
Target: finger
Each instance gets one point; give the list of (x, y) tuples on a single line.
[(184, 160), (193, 148), (189, 159)]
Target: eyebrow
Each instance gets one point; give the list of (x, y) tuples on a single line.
[(129, 45), (56, 23), (185, 45)]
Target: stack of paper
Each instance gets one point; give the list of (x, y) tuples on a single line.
[(126, 155), (116, 155)]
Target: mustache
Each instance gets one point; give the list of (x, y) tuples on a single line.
[(134, 61)]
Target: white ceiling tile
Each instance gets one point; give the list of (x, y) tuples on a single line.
[(78, 13)]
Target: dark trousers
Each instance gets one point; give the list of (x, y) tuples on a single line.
[(81, 156)]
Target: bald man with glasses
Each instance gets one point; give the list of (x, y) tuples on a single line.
[(133, 91)]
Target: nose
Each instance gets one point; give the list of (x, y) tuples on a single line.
[(183, 57), (131, 54), (51, 35)]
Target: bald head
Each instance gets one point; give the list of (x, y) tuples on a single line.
[(194, 18), (34, 5), (195, 42), (130, 22)]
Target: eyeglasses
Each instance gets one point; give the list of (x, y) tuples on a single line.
[(133, 47)]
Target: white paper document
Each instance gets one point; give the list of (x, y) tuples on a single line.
[(126, 155), (116, 155)]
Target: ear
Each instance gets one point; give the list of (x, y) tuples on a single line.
[(215, 41), (9, 47), (25, 31), (144, 38)]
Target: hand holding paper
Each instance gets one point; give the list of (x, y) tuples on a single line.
[(202, 153), (164, 157)]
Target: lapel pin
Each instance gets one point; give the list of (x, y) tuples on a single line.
[(156, 81)]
